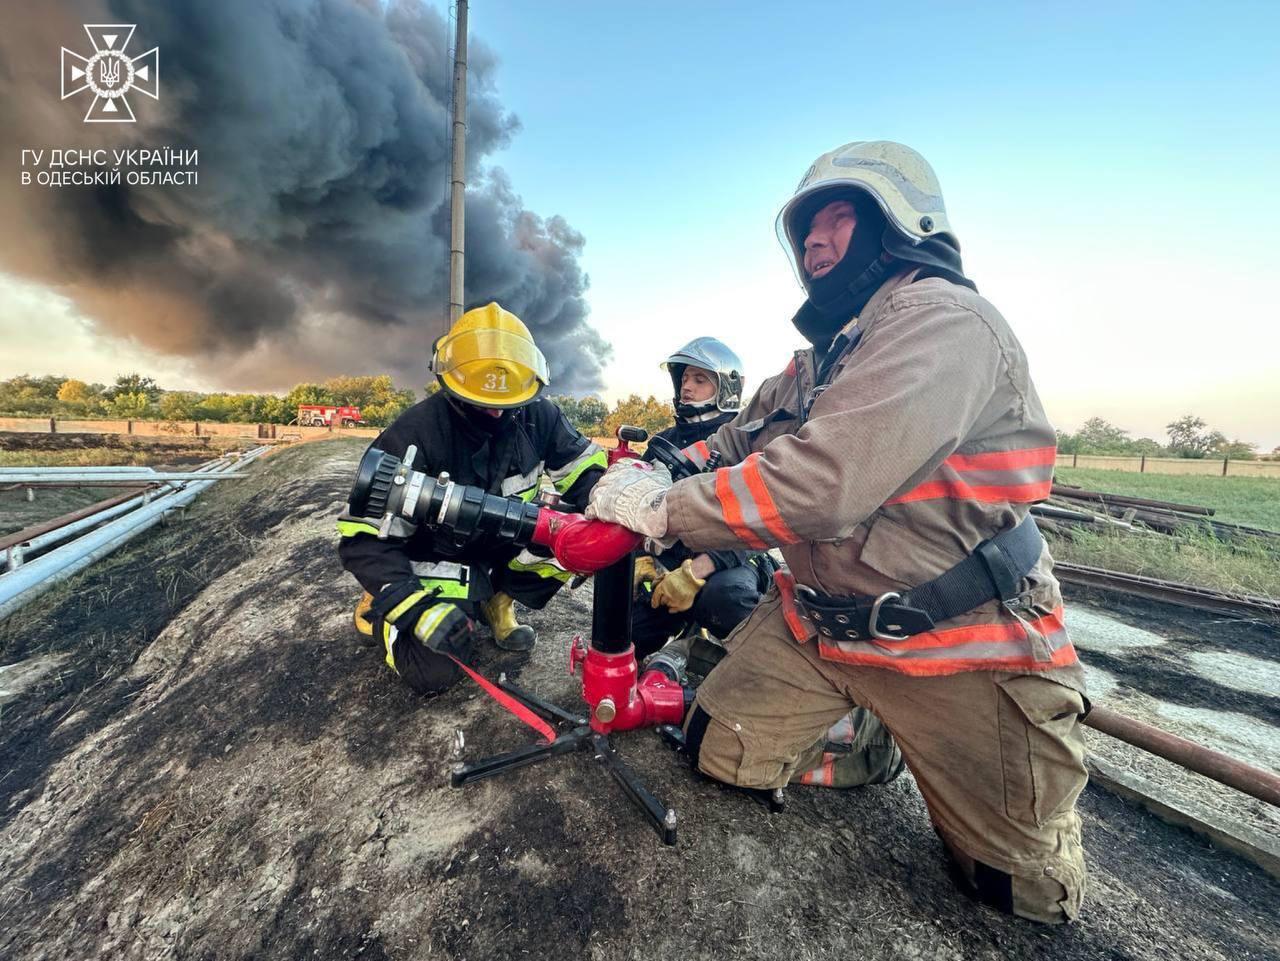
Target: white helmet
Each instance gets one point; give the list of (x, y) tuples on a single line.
[(900, 180)]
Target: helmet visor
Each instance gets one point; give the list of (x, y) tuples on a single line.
[(472, 346)]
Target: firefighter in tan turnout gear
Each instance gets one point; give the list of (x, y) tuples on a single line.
[(485, 427), (894, 464)]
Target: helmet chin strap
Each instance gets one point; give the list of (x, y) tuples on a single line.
[(693, 413)]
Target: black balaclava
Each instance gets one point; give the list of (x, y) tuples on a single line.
[(876, 251), (477, 418)]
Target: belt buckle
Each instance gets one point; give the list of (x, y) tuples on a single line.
[(873, 622), (1019, 604)]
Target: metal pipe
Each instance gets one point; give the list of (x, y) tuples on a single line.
[(1167, 592), (55, 471), (27, 533), (458, 175), (1219, 767), (21, 586), (34, 479)]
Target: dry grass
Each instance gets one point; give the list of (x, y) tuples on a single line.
[(1193, 558)]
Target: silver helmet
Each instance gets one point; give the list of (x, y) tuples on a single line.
[(900, 180), (712, 355)]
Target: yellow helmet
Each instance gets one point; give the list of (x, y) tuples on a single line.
[(489, 359)]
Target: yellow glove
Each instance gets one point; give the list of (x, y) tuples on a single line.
[(646, 572), (678, 590)]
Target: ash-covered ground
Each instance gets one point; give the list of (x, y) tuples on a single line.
[(201, 762)]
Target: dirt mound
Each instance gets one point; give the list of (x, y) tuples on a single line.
[(218, 770)]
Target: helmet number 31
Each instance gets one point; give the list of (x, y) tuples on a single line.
[(496, 381)]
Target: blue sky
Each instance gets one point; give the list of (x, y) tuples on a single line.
[(1109, 168)]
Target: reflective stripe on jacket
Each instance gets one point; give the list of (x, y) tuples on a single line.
[(534, 441), (927, 439)]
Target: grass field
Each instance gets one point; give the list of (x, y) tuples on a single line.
[(1254, 501), (1249, 567)]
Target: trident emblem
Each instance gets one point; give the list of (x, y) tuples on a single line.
[(109, 71)]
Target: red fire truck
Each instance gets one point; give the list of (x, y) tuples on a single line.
[(328, 415)]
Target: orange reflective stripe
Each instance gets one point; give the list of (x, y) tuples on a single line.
[(769, 515), (940, 667), (732, 511), (956, 489), (996, 477), (1004, 459), (703, 450), (998, 632), (787, 590), (912, 656)]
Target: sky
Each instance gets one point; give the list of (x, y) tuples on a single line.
[(1109, 169)]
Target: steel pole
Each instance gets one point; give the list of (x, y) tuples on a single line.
[(458, 173)]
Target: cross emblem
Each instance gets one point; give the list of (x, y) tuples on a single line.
[(109, 74)]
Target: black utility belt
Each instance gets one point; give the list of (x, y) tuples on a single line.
[(994, 571)]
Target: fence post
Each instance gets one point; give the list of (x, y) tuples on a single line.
[(1073, 459), (128, 427), (53, 425), (1142, 468), (1225, 461)]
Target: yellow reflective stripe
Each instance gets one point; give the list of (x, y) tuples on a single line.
[(445, 587), (543, 569), (408, 602), (597, 459), (389, 635), (352, 528), (429, 621), (527, 495)]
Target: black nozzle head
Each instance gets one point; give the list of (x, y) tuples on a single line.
[(632, 435), (374, 479)]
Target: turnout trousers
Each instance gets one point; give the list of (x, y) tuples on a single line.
[(998, 756)]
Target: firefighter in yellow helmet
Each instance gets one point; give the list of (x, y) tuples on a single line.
[(486, 426)]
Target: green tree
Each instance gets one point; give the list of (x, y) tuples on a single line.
[(651, 414), (1189, 437), (1097, 436), (1237, 450), (134, 384), (179, 405), (214, 407), (587, 414), (130, 405)]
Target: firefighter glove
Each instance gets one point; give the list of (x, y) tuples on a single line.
[(646, 572), (633, 494), (677, 590)]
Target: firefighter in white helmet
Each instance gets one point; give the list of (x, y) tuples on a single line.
[(894, 464), (489, 427)]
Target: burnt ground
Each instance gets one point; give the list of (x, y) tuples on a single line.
[(216, 769)]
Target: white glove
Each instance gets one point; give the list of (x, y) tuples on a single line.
[(633, 494)]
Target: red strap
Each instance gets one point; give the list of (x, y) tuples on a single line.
[(510, 703)]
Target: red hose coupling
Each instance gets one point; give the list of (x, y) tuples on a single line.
[(617, 702), (583, 546)]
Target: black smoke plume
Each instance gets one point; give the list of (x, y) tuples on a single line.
[(316, 241)]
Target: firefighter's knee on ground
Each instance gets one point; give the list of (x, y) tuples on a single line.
[(1047, 890), (425, 670)]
